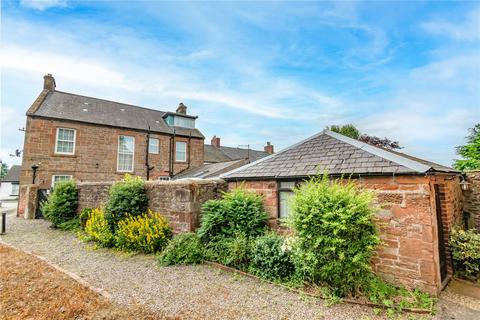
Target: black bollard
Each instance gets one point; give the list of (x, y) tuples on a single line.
[(4, 221)]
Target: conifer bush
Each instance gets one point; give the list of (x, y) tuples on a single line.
[(61, 205), (126, 197), (333, 221)]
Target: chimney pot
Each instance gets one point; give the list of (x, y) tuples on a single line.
[(268, 148), (182, 108), (49, 82), (215, 142)]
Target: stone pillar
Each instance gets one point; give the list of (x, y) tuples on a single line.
[(31, 201)]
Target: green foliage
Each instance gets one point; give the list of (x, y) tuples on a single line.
[(84, 216), (98, 230), (336, 234), (348, 130), (3, 169), (70, 225), (147, 233), (271, 258), (185, 248), (62, 204), (127, 197), (233, 251), (239, 211), (465, 247), (470, 152)]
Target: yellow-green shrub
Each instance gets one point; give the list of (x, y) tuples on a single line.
[(98, 229), (148, 233)]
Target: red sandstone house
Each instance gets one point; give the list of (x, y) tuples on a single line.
[(418, 200), (69, 136)]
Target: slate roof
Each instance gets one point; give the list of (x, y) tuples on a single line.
[(13, 175), (221, 154), (336, 154), (69, 106), (211, 170)]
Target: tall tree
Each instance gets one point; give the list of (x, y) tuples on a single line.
[(351, 131), (470, 152)]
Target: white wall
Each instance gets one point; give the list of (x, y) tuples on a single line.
[(7, 200)]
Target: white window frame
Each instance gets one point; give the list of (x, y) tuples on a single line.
[(158, 146), (70, 177), (176, 149), (17, 188), (118, 154), (74, 141), (285, 188)]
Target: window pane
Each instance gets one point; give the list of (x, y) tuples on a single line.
[(125, 153), (285, 197), (15, 189), (58, 178), (181, 151), (65, 140), (153, 145)]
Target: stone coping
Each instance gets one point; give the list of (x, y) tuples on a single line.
[(158, 182)]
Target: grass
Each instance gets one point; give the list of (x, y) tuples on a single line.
[(31, 289)]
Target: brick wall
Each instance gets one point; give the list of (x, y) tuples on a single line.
[(95, 157), (178, 201), (472, 198), (407, 222)]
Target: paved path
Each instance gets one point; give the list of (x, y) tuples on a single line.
[(189, 292)]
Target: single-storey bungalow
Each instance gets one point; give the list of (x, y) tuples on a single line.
[(9, 188), (418, 200)]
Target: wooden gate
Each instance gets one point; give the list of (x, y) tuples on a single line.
[(441, 238)]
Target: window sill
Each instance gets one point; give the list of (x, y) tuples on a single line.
[(68, 155)]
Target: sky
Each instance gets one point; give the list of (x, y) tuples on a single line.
[(255, 71)]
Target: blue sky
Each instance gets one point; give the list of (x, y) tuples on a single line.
[(256, 71)]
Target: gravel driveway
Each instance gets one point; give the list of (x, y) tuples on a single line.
[(188, 292)]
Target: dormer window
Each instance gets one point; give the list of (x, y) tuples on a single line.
[(180, 121)]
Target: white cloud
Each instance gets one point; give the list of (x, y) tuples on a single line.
[(42, 5), (468, 29)]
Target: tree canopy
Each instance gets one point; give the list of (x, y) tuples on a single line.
[(351, 131), (3, 169), (470, 152)]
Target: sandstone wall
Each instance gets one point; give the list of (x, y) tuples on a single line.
[(407, 222), (179, 201)]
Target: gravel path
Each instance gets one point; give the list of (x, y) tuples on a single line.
[(189, 292)]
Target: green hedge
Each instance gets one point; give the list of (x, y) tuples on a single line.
[(465, 247)]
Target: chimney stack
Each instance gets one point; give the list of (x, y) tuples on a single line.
[(182, 108), (49, 82), (215, 142), (268, 148)]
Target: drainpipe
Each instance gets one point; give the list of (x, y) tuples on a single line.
[(171, 163)]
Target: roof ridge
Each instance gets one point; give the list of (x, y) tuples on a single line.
[(380, 152), (107, 100)]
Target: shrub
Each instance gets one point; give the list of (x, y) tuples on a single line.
[(336, 234), (70, 225), (271, 258), (148, 233), (233, 251), (239, 211), (97, 228), (185, 248), (84, 216), (62, 204), (126, 197), (465, 247)]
